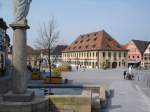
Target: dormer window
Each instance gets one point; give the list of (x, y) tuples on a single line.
[(81, 41), (74, 48), (95, 39), (109, 39), (108, 46), (79, 47), (76, 42), (88, 40), (82, 36), (86, 46)]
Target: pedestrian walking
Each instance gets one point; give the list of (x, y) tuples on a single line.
[(124, 74), (83, 68), (29, 67), (80, 66), (130, 70), (77, 67)]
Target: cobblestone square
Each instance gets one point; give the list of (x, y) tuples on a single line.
[(128, 95)]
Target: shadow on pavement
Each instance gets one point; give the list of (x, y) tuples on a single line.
[(108, 106)]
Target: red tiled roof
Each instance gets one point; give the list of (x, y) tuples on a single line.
[(94, 41)]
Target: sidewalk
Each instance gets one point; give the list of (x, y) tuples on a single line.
[(142, 80), (128, 95), (127, 98)]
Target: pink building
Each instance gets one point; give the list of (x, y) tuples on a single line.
[(136, 50)]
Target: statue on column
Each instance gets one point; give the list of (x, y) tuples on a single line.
[(21, 9)]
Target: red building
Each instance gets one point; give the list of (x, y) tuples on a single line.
[(136, 50)]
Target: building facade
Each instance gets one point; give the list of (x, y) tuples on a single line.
[(95, 50), (39, 58), (146, 58), (55, 55), (4, 43), (136, 50), (33, 57)]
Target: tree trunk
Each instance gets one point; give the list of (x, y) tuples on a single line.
[(49, 62), (40, 61)]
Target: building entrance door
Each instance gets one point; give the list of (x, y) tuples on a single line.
[(114, 65)]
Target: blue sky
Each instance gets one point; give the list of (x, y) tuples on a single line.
[(122, 19)]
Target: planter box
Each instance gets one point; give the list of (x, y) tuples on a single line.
[(35, 76), (53, 80)]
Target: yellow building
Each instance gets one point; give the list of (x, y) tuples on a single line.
[(96, 50)]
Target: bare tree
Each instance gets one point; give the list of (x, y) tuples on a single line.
[(48, 37)]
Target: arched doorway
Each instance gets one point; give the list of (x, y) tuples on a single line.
[(114, 65)]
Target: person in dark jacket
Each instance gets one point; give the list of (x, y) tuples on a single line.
[(124, 74), (29, 67)]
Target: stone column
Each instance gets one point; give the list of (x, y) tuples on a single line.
[(19, 91), (19, 79), (20, 99)]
